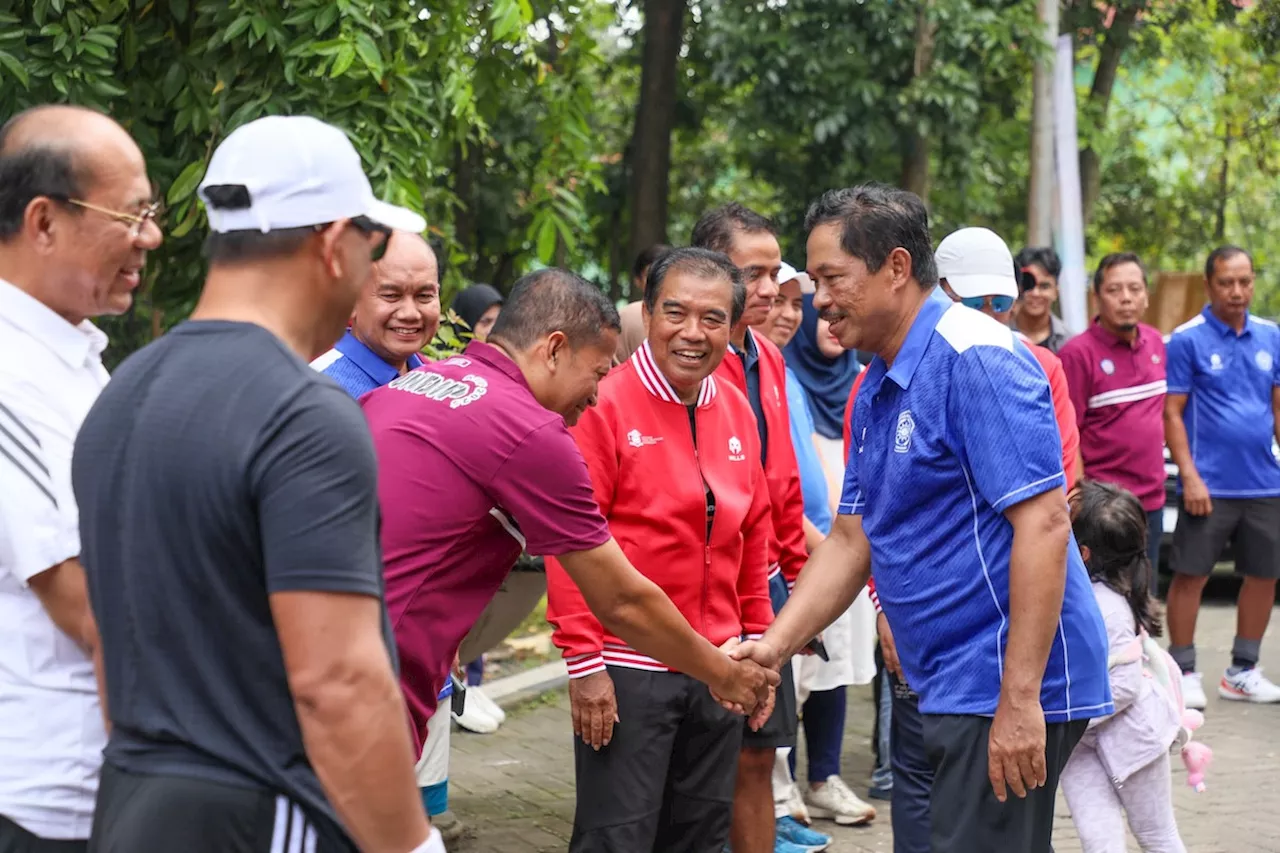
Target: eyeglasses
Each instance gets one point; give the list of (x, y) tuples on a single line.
[(136, 221), (999, 304)]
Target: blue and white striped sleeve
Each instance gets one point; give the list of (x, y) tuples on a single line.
[(852, 500)]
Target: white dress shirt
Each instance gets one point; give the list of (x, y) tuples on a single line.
[(51, 732)]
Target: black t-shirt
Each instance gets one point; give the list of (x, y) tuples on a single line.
[(217, 468)]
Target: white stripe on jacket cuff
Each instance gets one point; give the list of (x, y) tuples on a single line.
[(580, 666)]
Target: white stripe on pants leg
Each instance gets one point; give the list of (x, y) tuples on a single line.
[(281, 829), (299, 828)]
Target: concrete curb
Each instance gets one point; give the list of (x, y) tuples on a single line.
[(514, 689)]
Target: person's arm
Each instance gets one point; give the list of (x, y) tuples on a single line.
[(1275, 411), (1179, 368), (64, 594), (314, 481), (1077, 371), (812, 535), (546, 486), (1064, 412)]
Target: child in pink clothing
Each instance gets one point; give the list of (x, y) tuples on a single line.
[(1121, 766)]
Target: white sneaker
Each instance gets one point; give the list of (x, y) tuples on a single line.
[(486, 706), (1193, 691), (834, 801), (1248, 685), (474, 718)]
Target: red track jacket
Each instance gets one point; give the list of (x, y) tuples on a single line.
[(650, 480), (786, 547)]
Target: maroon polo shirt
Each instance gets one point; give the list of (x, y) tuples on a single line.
[(1118, 391), (471, 471)]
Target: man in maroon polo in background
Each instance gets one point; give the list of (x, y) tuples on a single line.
[(1116, 375), (476, 464)]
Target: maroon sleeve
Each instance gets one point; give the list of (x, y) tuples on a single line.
[(545, 486), (1075, 364)]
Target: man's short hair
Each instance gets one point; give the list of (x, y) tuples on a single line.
[(646, 259), (1115, 259), (702, 263), (1042, 256), (554, 300), (31, 171), (1223, 253), (241, 247), (874, 220), (716, 228)]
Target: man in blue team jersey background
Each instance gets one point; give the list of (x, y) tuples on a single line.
[(955, 492)]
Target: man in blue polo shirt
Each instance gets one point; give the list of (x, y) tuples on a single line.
[(395, 317), (1220, 422), (954, 492)]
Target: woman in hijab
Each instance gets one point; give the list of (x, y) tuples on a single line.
[(825, 372), (478, 306)]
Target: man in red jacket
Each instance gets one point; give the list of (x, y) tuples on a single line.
[(657, 754), (756, 368)]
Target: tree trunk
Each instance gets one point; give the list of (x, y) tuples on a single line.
[(650, 150), (1104, 80), (915, 151), (1224, 191), (1040, 191)]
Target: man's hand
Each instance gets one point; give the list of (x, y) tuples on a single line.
[(1015, 748), (759, 651), (1195, 495), (888, 649), (594, 707)]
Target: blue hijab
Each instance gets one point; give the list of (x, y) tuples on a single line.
[(826, 381)]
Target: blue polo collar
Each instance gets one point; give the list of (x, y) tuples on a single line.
[(917, 341), (369, 361), (750, 352), (1222, 328)]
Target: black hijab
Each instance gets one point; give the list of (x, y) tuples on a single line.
[(471, 303)]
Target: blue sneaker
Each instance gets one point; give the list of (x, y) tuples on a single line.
[(793, 836)]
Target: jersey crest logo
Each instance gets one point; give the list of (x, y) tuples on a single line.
[(902, 435), (1108, 366), (635, 439), (1155, 358), (1263, 359), (735, 450), (1215, 362), (433, 386), (458, 360)]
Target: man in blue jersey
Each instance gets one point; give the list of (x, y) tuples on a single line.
[(955, 492), (396, 316)]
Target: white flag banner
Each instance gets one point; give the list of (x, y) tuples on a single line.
[(1073, 282)]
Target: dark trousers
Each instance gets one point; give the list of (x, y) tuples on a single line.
[(912, 773), (665, 782), (139, 812), (15, 839), (965, 816)]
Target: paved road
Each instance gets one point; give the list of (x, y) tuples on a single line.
[(515, 788)]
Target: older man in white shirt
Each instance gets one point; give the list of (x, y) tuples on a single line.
[(76, 222)]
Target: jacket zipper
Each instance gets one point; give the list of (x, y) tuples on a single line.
[(707, 513)]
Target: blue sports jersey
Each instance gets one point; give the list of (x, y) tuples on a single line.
[(357, 368), (813, 480), (1229, 380), (958, 430)]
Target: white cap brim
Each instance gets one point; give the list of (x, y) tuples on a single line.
[(395, 218), (969, 286)]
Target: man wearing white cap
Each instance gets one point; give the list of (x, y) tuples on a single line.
[(229, 519)]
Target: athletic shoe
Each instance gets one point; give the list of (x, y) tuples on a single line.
[(834, 801), (796, 807), (791, 831), (780, 846), (486, 706), (474, 719), (1247, 685), (1193, 691)]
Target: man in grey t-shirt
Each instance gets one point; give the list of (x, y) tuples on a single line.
[(229, 521)]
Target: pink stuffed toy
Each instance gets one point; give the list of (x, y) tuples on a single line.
[(1196, 756)]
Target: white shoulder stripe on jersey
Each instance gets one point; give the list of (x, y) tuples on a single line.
[(1131, 394), (322, 362), (964, 328), (1263, 321), (1197, 320)]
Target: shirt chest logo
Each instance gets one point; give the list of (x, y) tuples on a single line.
[(1155, 358), (1215, 362), (902, 435), (1108, 366), (1263, 359), (433, 386), (635, 439), (735, 450)]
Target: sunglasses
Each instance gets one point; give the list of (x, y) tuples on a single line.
[(1028, 282), (999, 304), (368, 227)]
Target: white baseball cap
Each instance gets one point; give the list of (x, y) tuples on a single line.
[(299, 171), (976, 262), (788, 273)]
